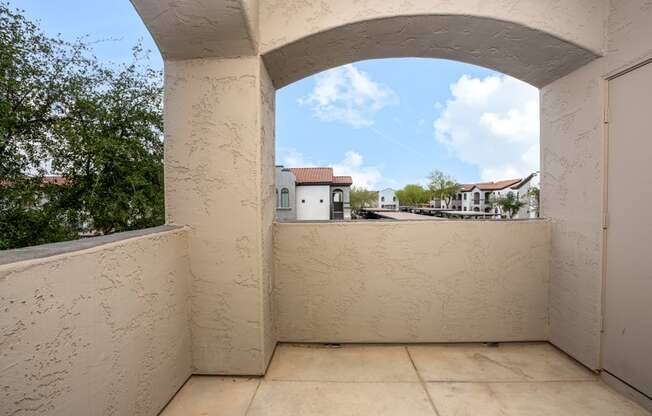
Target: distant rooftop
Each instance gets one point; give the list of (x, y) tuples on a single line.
[(319, 176)]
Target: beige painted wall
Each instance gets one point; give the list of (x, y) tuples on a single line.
[(571, 184), (219, 173), (98, 331), (536, 41), (572, 173), (412, 281), (285, 21)]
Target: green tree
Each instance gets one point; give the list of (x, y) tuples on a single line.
[(508, 203), (98, 126), (361, 198), (443, 186), (412, 195), (535, 194)]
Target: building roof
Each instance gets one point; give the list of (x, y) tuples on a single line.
[(343, 180), (491, 186), (46, 180), (319, 176), (524, 181)]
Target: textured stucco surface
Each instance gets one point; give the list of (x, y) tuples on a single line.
[(187, 29), (578, 21), (629, 33), (219, 175), (412, 281), (101, 331), (571, 172), (525, 53)]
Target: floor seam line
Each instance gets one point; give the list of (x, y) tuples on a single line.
[(253, 396), (424, 386)]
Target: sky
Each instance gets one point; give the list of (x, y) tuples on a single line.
[(387, 122)]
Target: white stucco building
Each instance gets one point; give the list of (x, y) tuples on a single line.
[(478, 196), (387, 199), (312, 194)]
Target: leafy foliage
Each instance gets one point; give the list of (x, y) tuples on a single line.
[(508, 203), (535, 194), (412, 195), (443, 186), (98, 126), (362, 198)]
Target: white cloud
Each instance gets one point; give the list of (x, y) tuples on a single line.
[(492, 123), (291, 158), (347, 95), (352, 165)]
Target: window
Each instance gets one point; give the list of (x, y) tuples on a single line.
[(394, 198), (465, 197), (321, 201), (382, 199), (476, 198), (285, 198), (303, 201)]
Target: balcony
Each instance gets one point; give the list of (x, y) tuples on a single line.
[(118, 319), (415, 380), (121, 325)]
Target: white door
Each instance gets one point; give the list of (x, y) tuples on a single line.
[(627, 349)]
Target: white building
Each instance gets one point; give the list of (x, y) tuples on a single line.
[(387, 199), (478, 197), (312, 194)]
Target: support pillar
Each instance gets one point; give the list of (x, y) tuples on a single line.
[(219, 181)]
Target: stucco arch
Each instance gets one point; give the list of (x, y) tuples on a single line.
[(224, 59), (532, 55)]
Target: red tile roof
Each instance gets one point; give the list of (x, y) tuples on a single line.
[(319, 176), (491, 186), (343, 180)]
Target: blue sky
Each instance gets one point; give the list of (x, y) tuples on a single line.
[(385, 122)]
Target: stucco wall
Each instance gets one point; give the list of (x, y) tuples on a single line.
[(98, 331), (309, 206), (219, 175), (412, 281), (284, 21), (536, 41), (572, 177), (571, 196)]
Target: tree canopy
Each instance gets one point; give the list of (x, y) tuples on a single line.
[(508, 203), (99, 126), (443, 187), (361, 198), (413, 194)]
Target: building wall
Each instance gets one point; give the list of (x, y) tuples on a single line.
[(312, 208), (389, 195), (98, 331), (572, 178), (395, 282), (286, 179)]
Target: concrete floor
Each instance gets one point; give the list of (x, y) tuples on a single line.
[(442, 380)]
